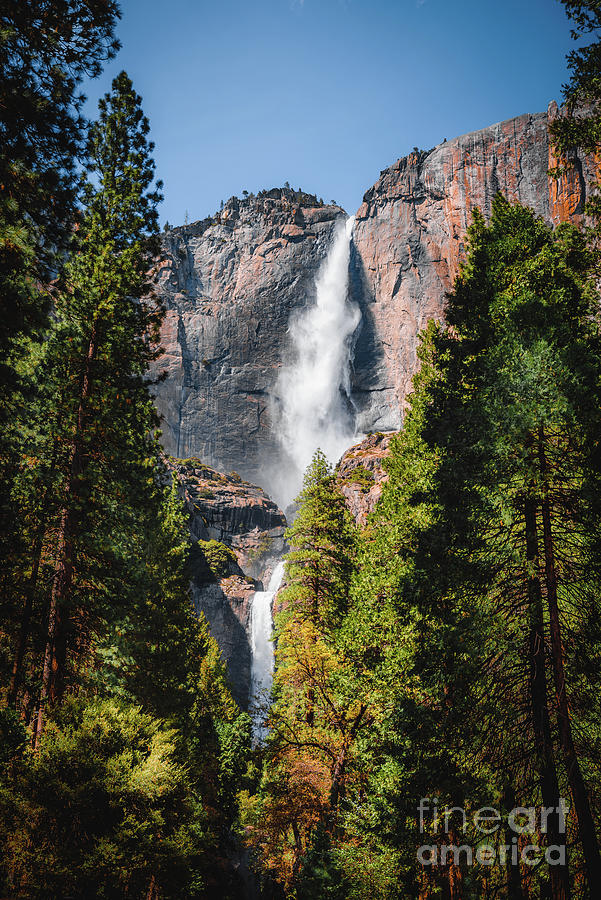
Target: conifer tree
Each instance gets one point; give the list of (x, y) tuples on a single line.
[(479, 525), (99, 417), (318, 714), (580, 127), (322, 538), (583, 92), (46, 50)]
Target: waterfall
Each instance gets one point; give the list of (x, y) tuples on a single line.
[(261, 647), (311, 409), (311, 399)]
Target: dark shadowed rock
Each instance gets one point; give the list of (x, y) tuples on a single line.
[(231, 283), (241, 516)]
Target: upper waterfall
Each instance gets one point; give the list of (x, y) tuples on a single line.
[(311, 406)]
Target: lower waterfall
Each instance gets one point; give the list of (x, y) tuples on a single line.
[(311, 409), (261, 648)]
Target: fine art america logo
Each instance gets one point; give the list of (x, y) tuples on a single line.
[(491, 845)]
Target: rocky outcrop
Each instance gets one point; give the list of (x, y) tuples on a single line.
[(228, 509), (360, 474), (230, 285), (227, 512), (410, 233)]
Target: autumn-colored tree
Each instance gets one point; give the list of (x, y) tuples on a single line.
[(316, 716)]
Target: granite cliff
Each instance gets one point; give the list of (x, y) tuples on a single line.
[(232, 283), (409, 238)]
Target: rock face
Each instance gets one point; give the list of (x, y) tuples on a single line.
[(240, 516), (230, 285), (409, 238), (361, 474)]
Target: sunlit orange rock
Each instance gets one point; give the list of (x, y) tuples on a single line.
[(410, 238)]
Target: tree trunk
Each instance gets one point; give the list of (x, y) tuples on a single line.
[(298, 850), (340, 764), (25, 626), (514, 878), (586, 824), (559, 875), (58, 616), (61, 588)]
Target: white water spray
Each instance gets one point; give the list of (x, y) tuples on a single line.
[(261, 648), (311, 409), (311, 397)]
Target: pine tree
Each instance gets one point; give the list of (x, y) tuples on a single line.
[(46, 50), (318, 714), (583, 90), (513, 383), (99, 417), (322, 539), (580, 128)]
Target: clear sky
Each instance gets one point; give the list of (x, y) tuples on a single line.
[(248, 94)]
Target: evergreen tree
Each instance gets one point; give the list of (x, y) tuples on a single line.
[(583, 92), (135, 731), (317, 714), (493, 480), (322, 539), (105, 340), (580, 128), (46, 50)]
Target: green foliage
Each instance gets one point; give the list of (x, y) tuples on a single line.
[(139, 747), (101, 809), (448, 555), (580, 129), (318, 712), (218, 556), (263, 547), (405, 655), (320, 875), (360, 476), (46, 50), (323, 541)]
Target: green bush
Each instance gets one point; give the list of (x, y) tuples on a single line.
[(219, 557), (101, 809), (361, 476)]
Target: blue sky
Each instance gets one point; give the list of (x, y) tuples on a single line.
[(248, 94)]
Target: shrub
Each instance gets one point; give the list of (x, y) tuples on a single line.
[(219, 558)]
